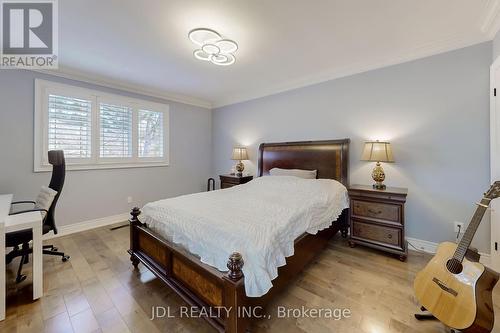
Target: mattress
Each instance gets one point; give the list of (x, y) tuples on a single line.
[(260, 219)]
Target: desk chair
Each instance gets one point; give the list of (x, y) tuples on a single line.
[(19, 240)]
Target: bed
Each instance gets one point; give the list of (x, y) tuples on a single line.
[(189, 271)]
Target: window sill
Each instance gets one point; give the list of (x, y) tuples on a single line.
[(75, 167)]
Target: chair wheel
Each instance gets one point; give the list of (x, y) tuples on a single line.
[(65, 258), (20, 278)]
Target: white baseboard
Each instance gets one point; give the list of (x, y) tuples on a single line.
[(485, 259), (422, 245), (431, 247), (419, 244), (87, 225)]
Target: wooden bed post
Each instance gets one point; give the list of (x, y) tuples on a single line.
[(134, 221), (234, 290)]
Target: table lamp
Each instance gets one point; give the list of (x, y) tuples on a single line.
[(239, 154), (377, 151)]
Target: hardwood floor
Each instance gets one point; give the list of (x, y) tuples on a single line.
[(98, 291)]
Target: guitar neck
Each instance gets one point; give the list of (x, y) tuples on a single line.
[(471, 229)]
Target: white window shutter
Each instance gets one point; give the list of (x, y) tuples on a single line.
[(69, 126), (116, 131), (97, 130)]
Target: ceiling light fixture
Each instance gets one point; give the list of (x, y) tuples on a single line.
[(213, 47)]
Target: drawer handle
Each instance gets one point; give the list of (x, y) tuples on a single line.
[(389, 236), (374, 212)]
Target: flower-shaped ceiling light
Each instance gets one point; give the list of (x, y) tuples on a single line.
[(213, 47)]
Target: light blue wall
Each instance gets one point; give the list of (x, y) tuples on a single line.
[(94, 194), (435, 111)]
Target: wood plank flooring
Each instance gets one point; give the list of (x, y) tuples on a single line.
[(98, 291)]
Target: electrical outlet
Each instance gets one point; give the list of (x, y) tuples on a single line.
[(129, 199), (459, 227)]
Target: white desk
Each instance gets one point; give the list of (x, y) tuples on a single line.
[(31, 220)]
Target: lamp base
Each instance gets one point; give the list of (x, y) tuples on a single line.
[(378, 176), (239, 169), (379, 186)]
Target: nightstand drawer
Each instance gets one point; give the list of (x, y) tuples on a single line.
[(377, 218), (378, 210), (227, 185), (377, 233), (231, 180), (227, 181)]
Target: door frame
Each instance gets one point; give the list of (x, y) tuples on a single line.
[(495, 164)]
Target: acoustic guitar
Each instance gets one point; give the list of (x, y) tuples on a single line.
[(454, 287)]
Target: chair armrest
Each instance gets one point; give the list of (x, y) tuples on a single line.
[(22, 202), (30, 210)]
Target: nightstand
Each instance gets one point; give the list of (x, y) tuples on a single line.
[(232, 180), (376, 218)]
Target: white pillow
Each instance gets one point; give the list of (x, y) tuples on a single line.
[(306, 174), (45, 198)]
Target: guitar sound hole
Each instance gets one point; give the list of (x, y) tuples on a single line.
[(454, 266)]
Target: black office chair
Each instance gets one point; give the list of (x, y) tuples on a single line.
[(20, 239)]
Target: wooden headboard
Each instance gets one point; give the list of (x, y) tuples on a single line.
[(329, 157)]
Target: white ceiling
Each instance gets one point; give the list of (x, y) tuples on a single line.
[(284, 44)]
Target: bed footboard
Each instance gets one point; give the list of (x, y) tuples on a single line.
[(198, 284), (210, 290)]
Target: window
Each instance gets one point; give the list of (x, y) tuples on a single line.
[(116, 130), (150, 133), (70, 126), (98, 130)]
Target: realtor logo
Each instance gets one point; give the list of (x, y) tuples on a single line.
[(29, 34)]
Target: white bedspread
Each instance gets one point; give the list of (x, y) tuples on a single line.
[(260, 220)]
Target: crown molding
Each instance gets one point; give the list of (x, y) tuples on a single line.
[(452, 43), (77, 75), (488, 23)]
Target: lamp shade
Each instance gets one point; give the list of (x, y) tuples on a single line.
[(239, 153), (377, 151)]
